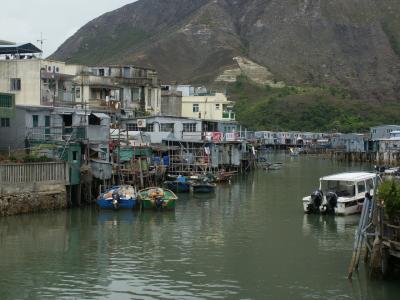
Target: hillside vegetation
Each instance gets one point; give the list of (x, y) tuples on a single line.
[(307, 109)]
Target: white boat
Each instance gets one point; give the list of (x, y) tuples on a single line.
[(342, 194)]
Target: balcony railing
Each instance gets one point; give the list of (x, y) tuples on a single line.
[(56, 133), (95, 133)]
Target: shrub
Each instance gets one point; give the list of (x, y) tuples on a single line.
[(389, 192)]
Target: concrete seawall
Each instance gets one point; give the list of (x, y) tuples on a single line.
[(27, 198), (32, 187)]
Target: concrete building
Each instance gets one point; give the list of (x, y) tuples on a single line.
[(201, 104), (391, 144), (41, 82), (165, 127), (382, 131), (350, 142), (126, 88), (65, 133), (7, 112), (171, 101)]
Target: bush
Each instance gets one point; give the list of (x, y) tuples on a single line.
[(33, 159), (389, 192)]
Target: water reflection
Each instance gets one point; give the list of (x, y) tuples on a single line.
[(249, 240)]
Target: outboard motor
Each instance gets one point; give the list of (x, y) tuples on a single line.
[(331, 202), (159, 202), (115, 200), (315, 202)]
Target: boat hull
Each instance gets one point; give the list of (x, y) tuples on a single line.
[(203, 188), (151, 204), (157, 199), (178, 187), (123, 204), (343, 208)]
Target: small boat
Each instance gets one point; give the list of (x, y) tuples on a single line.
[(273, 166), (157, 198), (294, 151), (179, 185), (203, 186), (224, 176), (341, 194), (118, 197)]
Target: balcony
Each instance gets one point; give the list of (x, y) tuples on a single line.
[(93, 133), (56, 134), (48, 98)]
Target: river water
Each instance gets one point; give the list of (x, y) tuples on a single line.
[(250, 240)]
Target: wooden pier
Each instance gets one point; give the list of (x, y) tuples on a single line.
[(378, 237)]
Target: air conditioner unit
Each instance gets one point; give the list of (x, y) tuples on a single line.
[(141, 123)]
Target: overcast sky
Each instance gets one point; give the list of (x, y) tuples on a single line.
[(24, 20)]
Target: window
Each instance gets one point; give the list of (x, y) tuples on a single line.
[(361, 187), (101, 72), (196, 108), (6, 101), (168, 127), (49, 68), (57, 69), (189, 127), (5, 122), (150, 127), (35, 121), (78, 93), (135, 95), (47, 121), (217, 106), (132, 127), (370, 185), (15, 84), (74, 155)]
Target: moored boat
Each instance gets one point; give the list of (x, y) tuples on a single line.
[(203, 186), (157, 198), (341, 194), (118, 197), (179, 185)]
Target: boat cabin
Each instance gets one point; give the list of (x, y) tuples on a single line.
[(342, 193)]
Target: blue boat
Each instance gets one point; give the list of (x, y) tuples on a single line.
[(118, 197), (179, 185)]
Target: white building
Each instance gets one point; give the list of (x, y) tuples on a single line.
[(212, 106)]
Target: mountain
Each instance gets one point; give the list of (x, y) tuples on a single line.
[(347, 44)]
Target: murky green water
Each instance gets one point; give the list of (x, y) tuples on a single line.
[(249, 241)]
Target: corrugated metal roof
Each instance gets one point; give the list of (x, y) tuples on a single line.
[(19, 49), (101, 115)]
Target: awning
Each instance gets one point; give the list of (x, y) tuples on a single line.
[(101, 116), (97, 149)]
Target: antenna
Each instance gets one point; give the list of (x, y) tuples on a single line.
[(41, 41)]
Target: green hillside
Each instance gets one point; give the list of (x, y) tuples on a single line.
[(307, 109)]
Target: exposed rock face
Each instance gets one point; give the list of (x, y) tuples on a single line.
[(354, 44)]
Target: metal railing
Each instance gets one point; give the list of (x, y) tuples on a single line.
[(34, 172), (56, 133)]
